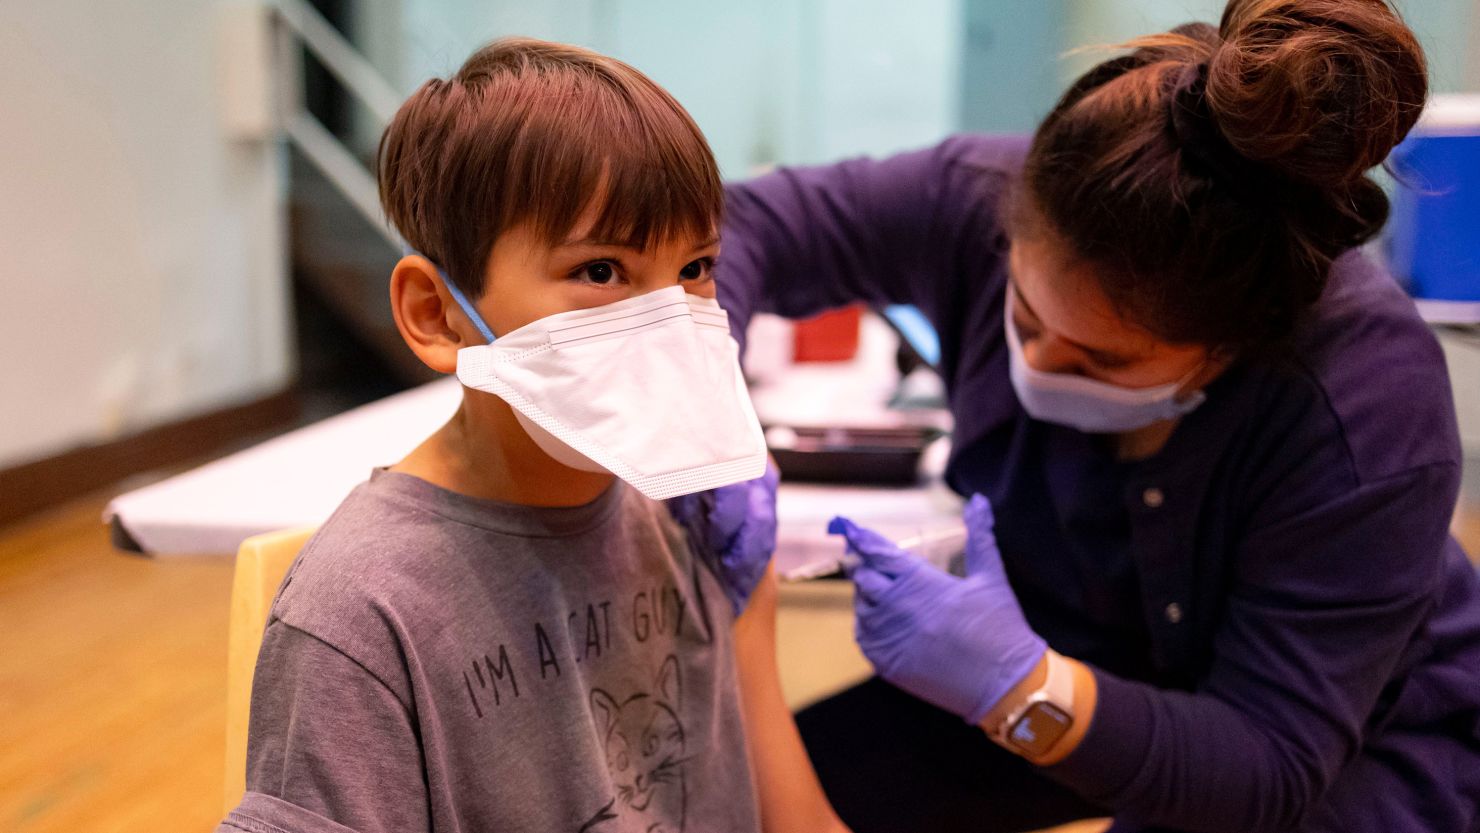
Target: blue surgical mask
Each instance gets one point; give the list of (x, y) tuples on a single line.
[(1090, 405)]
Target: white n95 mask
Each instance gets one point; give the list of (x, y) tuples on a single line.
[(1086, 404), (648, 388)]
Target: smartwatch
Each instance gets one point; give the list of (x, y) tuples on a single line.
[(1044, 717)]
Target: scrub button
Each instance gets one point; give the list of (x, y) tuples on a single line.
[(1174, 613), (1153, 498)]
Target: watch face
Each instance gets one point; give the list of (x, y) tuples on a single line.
[(1039, 729)]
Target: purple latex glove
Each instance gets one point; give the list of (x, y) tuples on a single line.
[(735, 528), (960, 643)]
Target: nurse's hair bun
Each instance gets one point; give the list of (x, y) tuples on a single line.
[(1211, 176), (1317, 90)]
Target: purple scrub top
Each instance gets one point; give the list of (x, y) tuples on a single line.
[(1285, 634)]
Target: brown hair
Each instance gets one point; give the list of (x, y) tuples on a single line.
[(534, 132), (1213, 175)]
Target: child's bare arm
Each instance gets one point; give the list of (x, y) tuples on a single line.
[(791, 797)]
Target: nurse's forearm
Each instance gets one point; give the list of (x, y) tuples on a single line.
[(1085, 696), (1190, 762)]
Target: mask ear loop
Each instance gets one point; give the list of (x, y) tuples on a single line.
[(457, 295), (467, 306)]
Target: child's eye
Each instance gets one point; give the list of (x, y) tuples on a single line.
[(599, 272), (697, 270)]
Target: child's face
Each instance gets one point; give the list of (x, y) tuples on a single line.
[(527, 278)]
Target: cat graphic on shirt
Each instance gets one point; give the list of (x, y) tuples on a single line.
[(645, 752)]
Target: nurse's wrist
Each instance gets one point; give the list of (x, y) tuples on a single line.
[(1083, 708), (1086, 695), (1016, 695)]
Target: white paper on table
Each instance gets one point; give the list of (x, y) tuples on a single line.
[(294, 480)]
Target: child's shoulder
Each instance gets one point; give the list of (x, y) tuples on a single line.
[(380, 529), (375, 565)]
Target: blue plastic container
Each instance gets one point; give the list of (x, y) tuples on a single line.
[(1434, 234)]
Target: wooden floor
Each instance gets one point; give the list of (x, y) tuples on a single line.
[(112, 682), (112, 678)]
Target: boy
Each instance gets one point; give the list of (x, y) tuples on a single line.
[(496, 633)]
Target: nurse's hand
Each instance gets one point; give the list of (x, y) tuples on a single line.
[(737, 525), (960, 643)]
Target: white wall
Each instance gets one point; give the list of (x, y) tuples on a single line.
[(889, 74), (441, 34), (140, 251), (1448, 29), (736, 67), (767, 80), (1011, 70), (1472, 66)]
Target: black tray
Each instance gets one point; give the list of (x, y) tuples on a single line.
[(884, 456)]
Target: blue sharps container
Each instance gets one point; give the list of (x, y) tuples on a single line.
[(1433, 238)]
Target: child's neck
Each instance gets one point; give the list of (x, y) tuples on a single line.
[(483, 452)]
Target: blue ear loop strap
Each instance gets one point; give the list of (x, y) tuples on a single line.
[(457, 295), (467, 307)]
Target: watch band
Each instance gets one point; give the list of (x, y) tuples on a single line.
[(1033, 727)]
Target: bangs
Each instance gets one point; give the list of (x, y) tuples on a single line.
[(631, 158)]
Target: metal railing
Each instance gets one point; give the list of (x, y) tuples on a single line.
[(299, 26)]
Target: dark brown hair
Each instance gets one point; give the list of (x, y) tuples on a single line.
[(536, 132), (1211, 176)]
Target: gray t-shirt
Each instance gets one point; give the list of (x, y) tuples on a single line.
[(434, 662)]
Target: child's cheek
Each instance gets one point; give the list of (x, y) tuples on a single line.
[(584, 296), (704, 289)]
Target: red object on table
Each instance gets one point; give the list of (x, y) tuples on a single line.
[(829, 337)]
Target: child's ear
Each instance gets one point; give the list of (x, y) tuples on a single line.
[(422, 308)]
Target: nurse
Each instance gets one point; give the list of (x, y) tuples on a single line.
[(1210, 581)]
